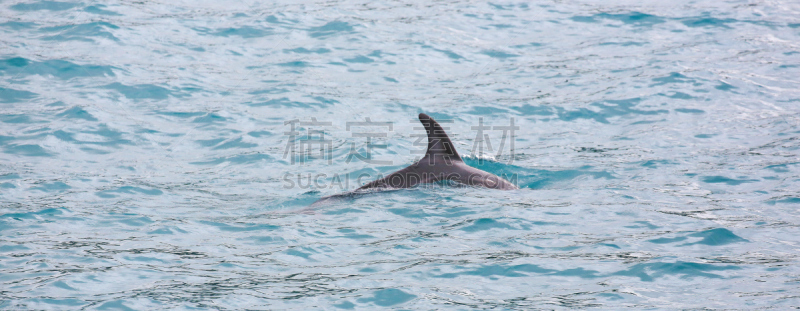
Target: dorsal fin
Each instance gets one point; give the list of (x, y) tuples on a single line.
[(438, 142)]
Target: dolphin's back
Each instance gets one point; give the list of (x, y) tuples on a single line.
[(441, 162)]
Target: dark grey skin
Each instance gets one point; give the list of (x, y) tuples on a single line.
[(441, 162)]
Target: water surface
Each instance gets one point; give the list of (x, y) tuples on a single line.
[(144, 155)]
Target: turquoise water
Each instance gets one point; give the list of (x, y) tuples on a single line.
[(145, 161)]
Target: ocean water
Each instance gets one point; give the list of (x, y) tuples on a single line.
[(162, 155)]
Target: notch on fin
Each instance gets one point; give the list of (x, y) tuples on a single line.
[(439, 145)]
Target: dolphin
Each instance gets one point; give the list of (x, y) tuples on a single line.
[(441, 162)]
